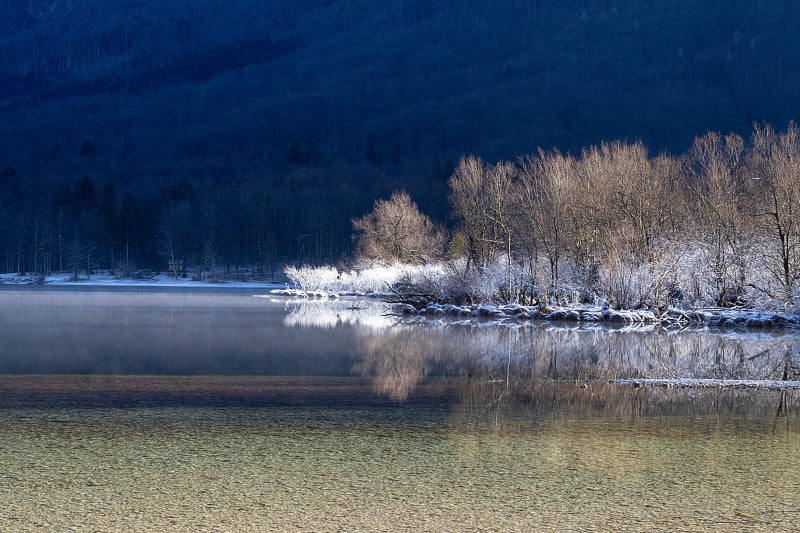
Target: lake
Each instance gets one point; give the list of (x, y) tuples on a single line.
[(213, 410)]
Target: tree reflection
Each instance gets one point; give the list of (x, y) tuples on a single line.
[(536, 371), (395, 360), (326, 314), (526, 375)]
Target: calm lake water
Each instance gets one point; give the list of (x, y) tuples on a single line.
[(214, 410)]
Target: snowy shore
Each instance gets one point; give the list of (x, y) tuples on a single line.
[(690, 383), (713, 317), (437, 282), (670, 317)]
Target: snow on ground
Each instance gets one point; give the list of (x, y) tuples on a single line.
[(103, 280), (714, 317), (511, 314), (328, 282), (504, 314), (690, 383), (299, 293), (500, 314), (372, 281), (320, 294)]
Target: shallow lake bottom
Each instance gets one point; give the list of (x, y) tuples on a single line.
[(185, 457)]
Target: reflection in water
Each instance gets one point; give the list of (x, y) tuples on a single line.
[(497, 370), (204, 333), (395, 361), (520, 356), (561, 351), (329, 314)]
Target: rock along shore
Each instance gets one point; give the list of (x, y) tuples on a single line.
[(714, 317)]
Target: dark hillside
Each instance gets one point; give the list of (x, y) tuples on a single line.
[(335, 103)]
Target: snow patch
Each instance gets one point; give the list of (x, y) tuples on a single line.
[(693, 383), (671, 317), (299, 293)]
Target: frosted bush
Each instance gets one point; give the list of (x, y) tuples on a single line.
[(454, 282), (375, 278), (702, 283), (310, 278), (628, 285), (682, 276)]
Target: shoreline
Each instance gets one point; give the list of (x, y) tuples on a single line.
[(672, 317)]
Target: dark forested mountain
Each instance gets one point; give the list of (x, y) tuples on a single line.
[(249, 131)]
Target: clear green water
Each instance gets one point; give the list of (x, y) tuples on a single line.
[(552, 461)]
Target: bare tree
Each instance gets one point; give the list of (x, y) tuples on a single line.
[(169, 245), (544, 187), (499, 187), (80, 257), (470, 205), (210, 248), (774, 165), (395, 230), (718, 195), (630, 196)]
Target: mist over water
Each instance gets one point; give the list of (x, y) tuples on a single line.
[(143, 332), (230, 333)]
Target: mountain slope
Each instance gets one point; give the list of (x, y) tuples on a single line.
[(353, 98)]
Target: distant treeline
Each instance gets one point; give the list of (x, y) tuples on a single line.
[(220, 226)]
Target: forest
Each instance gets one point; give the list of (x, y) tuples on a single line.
[(240, 137)]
